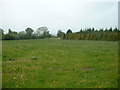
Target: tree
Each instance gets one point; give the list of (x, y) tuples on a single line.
[(101, 30), (12, 35), (110, 30), (62, 35), (69, 31), (29, 32), (93, 29), (68, 34), (59, 33), (89, 30), (115, 29), (22, 35), (46, 34), (81, 31), (85, 34), (42, 32), (9, 31)]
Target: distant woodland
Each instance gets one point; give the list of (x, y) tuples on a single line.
[(111, 34)]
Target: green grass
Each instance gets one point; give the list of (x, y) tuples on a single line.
[(60, 64)]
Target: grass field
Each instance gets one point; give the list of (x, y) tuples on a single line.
[(55, 63)]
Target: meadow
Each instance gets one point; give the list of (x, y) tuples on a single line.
[(56, 63)]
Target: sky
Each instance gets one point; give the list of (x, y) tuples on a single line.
[(58, 14)]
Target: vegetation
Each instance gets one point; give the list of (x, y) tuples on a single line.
[(84, 34), (57, 63), (84, 59), (91, 34), (29, 33)]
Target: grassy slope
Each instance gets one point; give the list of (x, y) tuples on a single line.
[(60, 63)]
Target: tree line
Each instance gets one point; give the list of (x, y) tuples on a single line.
[(29, 33), (91, 34), (84, 34)]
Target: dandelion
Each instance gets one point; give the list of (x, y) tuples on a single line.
[(68, 71), (84, 80), (53, 81), (34, 58), (54, 60), (14, 78)]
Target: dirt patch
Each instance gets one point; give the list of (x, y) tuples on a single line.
[(87, 68)]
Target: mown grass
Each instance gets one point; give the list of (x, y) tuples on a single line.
[(52, 63)]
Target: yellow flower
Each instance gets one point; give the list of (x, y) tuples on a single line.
[(53, 81), (14, 77)]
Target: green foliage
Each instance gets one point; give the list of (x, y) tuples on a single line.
[(91, 34), (84, 34), (22, 35), (27, 34), (42, 32), (10, 36), (69, 31), (59, 33), (62, 35)]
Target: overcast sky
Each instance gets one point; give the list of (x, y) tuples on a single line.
[(58, 14)]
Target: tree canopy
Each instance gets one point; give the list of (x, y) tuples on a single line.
[(109, 34)]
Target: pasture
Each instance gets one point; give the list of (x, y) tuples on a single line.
[(56, 63)]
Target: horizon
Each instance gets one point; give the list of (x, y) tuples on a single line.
[(83, 29)]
